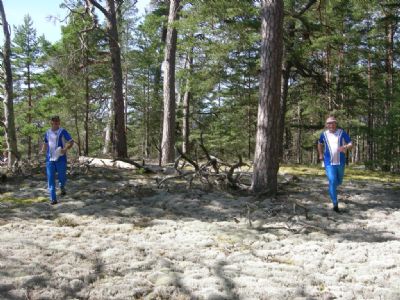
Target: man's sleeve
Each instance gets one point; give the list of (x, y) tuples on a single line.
[(321, 139), (66, 135), (45, 138), (346, 137)]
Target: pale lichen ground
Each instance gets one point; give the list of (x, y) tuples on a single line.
[(115, 236)]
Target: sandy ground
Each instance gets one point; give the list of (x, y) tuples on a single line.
[(116, 236)]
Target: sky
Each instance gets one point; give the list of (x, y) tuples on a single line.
[(42, 12)]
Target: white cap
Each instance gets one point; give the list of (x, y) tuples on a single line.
[(330, 120)]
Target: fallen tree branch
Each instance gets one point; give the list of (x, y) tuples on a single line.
[(115, 163), (233, 181), (188, 159), (212, 160)]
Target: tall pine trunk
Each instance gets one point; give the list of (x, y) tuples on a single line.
[(266, 158), (9, 121), (116, 69), (168, 136)]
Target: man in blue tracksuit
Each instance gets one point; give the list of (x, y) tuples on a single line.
[(57, 141), (336, 142)]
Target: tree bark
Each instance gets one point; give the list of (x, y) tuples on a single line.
[(168, 136), (9, 121), (266, 158)]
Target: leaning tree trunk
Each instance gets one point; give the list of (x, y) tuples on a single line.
[(266, 158), (9, 122), (168, 136)]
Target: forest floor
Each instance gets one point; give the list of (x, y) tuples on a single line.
[(115, 235)]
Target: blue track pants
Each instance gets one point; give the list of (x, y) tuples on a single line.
[(53, 167), (335, 176)]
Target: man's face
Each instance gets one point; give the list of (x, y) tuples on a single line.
[(55, 124), (331, 126)]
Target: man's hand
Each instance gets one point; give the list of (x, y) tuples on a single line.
[(344, 148), (68, 145), (43, 149)]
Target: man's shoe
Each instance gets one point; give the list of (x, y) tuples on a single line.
[(336, 208), (53, 202), (63, 192)]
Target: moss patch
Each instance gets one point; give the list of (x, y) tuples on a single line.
[(9, 197)]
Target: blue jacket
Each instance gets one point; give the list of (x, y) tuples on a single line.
[(338, 138)]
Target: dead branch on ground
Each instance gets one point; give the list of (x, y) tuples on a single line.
[(212, 172)]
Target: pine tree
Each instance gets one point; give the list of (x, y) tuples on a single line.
[(266, 157), (168, 137), (26, 53)]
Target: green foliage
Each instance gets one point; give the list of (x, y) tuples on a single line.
[(337, 53), (27, 51)]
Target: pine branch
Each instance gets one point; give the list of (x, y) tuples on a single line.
[(90, 3), (305, 8)]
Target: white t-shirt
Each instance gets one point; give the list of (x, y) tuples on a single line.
[(55, 152)]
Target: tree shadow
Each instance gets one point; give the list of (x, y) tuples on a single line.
[(357, 203), (125, 197), (43, 277)]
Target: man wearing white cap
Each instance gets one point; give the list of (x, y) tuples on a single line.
[(336, 142), (57, 141)]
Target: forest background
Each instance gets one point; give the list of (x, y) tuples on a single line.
[(339, 57)]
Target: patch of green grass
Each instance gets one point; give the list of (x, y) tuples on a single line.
[(350, 173), (9, 197), (372, 175)]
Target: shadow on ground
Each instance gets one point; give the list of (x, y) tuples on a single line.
[(125, 197)]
